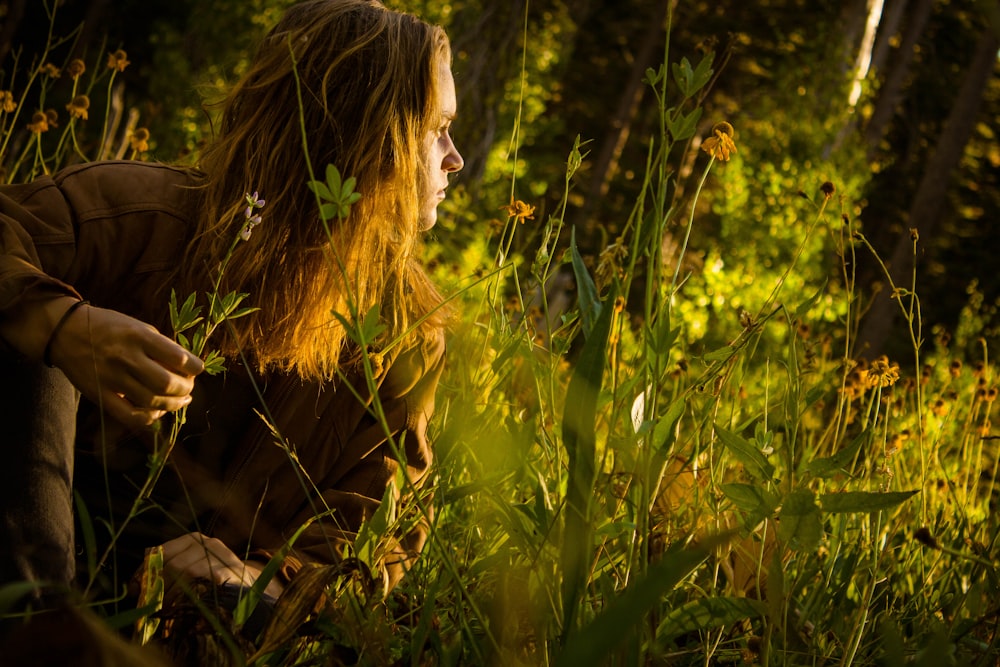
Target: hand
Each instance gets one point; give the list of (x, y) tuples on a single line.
[(197, 556), (126, 366)]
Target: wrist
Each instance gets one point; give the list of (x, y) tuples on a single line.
[(28, 327), (68, 313)]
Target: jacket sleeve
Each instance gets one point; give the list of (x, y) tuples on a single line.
[(37, 243)]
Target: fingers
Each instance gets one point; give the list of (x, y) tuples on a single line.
[(136, 373), (121, 409), (174, 358), (197, 556)]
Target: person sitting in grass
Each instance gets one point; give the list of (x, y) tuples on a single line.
[(321, 408)]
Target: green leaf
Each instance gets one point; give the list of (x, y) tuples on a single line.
[(590, 303), (827, 467), (801, 523), (372, 327), (333, 181), (248, 602), (214, 363), (807, 305), (702, 73), (580, 440), (753, 460), (653, 77), (720, 354), (592, 644), (862, 501), (708, 614), (750, 498), (684, 125), (328, 211), (320, 190), (683, 76), (664, 433), (242, 312)]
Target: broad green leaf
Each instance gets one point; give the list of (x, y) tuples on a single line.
[(708, 614), (750, 498), (862, 501), (801, 523)]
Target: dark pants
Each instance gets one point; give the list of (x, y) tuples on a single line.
[(38, 409)]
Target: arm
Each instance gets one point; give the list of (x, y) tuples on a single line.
[(118, 362)]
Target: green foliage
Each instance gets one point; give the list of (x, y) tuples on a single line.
[(676, 460)]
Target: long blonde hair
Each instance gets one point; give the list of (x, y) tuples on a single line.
[(361, 93)]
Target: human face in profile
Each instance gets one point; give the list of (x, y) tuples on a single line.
[(441, 156)]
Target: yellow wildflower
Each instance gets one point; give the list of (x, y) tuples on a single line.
[(50, 70), (39, 122), (520, 211), (139, 140), (78, 107), (7, 102), (720, 145), (377, 360), (882, 373), (118, 60), (52, 116), (76, 68)]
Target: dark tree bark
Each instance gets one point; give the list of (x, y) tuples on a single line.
[(15, 12), (892, 17), (890, 92), (931, 193), (605, 164)]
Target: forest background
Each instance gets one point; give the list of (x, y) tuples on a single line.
[(915, 147), (864, 190)]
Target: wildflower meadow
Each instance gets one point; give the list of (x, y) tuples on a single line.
[(658, 441)]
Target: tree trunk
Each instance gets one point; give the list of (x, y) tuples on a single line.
[(891, 20), (932, 191), (606, 164), (864, 58), (890, 92), (15, 12)]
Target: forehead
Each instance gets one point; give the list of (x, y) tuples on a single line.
[(446, 98)]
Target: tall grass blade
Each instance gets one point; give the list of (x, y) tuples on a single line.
[(594, 642), (580, 440)]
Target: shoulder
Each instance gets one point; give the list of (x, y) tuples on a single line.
[(108, 189)]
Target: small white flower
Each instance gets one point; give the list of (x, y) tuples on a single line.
[(252, 217)]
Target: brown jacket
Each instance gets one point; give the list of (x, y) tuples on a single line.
[(111, 233)]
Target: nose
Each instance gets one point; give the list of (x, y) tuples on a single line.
[(453, 160)]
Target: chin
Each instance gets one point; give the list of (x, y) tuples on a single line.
[(427, 221)]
